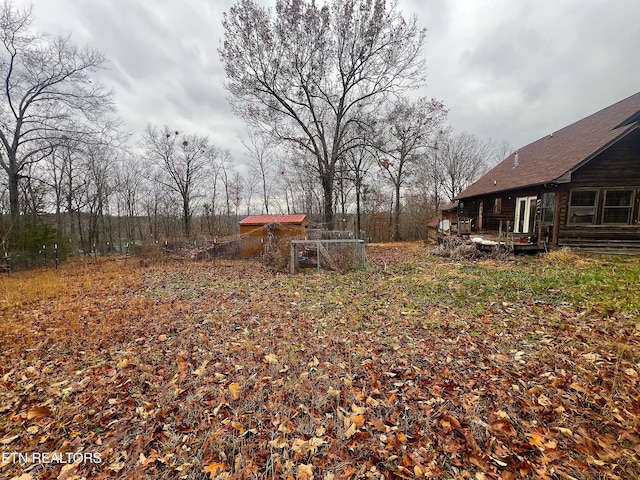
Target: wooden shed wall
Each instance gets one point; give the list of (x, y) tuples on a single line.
[(254, 237)]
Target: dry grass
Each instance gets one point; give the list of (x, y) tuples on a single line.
[(416, 368)]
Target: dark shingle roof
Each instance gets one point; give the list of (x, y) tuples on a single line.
[(548, 159)]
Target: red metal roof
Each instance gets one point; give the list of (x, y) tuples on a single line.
[(547, 160), (266, 219)]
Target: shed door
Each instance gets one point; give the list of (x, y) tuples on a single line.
[(525, 214)]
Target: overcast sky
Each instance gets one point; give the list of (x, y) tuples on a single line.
[(509, 70)]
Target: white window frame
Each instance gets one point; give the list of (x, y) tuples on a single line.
[(529, 209)]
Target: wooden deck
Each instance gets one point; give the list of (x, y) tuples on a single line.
[(489, 241)]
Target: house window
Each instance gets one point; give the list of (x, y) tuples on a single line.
[(547, 208), (582, 207), (617, 206), (497, 206)]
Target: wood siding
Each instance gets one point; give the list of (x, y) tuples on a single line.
[(616, 168), (490, 220), (255, 238)]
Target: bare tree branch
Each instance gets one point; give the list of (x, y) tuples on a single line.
[(306, 72)]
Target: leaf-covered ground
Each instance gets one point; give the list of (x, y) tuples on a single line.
[(419, 367)]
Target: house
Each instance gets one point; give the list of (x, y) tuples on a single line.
[(260, 233), (577, 187), (445, 222)]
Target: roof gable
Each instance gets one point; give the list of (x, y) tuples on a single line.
[(550, 158), (267, 219)]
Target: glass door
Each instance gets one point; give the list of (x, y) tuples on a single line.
[(525, 214)]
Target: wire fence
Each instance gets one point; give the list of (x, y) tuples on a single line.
[(343, 254)]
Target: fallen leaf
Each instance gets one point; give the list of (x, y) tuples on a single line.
[(67, 472), (299, 445), (449, 421), (357, 420), (37, 413), (305, 472), (182, 364), (591, 357), (238, 426), (351, 431), (279, 442), (316, 442), (214, 468), (235, 390), (502, 427), (201, 369), (116, 467), (535, 439), (270, 358), (503, 415)]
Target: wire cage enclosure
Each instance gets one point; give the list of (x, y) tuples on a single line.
[(346, 254)]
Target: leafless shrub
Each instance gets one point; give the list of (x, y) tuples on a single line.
[(457, 249)]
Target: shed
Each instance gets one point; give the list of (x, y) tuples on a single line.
[(259, 233)]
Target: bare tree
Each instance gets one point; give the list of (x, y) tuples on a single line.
[(251, 182), (56, 165), (183, 160), (98, 185), (129, 179), (236, 189), (225, 167), (152, 193), (260, 147), (310, 74), (463, 159), (48, 96), (358, 164), (216, 170), (499, 151), (407, 132)]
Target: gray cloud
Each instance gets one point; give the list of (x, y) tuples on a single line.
[(506, 70)]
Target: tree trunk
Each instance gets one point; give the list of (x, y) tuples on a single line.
[(14, 207), (358, 230), (327, 191), (187, 217), (396, 233)]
